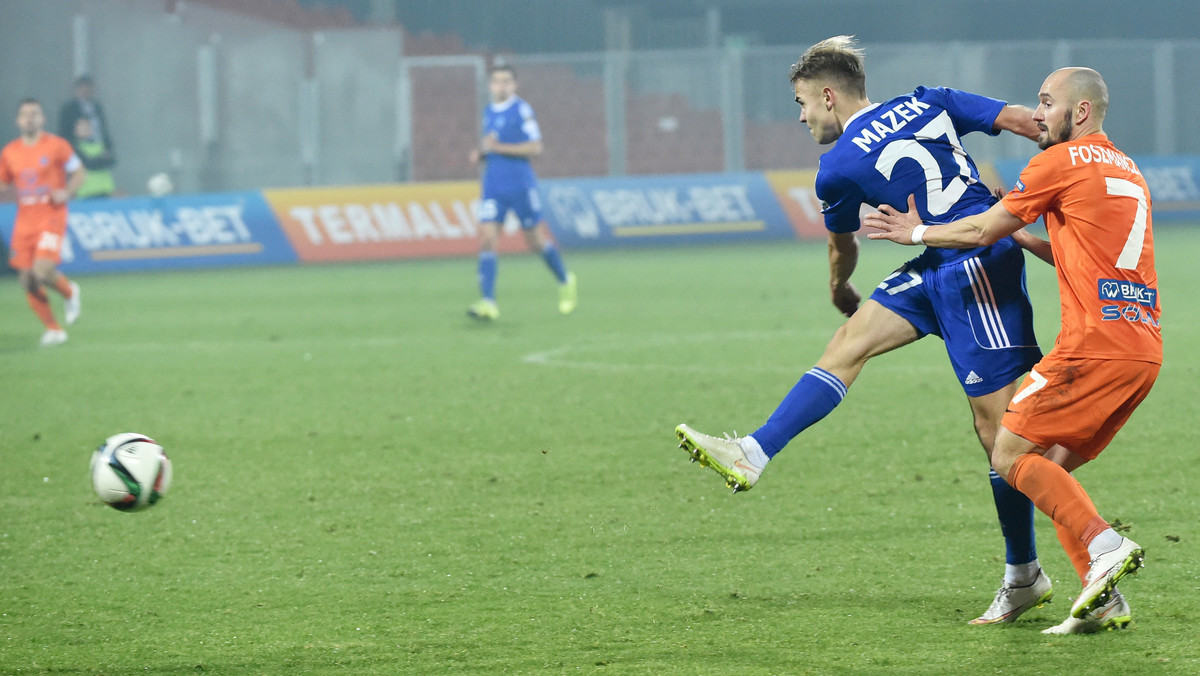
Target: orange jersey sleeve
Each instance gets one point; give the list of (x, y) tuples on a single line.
[(6, 173), (1097, 211)]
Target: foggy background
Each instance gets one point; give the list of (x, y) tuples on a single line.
[(245, 94)]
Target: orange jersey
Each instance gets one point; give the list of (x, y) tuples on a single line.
[(35, 171), (1097, 211)]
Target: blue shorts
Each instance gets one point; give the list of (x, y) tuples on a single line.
[(978, 306), (526, 204)]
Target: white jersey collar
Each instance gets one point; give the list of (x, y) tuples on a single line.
[(504, 105), (861, 111)]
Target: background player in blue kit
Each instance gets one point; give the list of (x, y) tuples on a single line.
[(974, 299), (510, 138)]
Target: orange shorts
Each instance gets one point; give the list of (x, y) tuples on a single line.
[(1078, 403), (37, 236)]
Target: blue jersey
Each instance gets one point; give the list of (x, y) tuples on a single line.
[(909, 145), (512, 121)]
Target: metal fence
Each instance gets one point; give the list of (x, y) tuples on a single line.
[(225, 102)]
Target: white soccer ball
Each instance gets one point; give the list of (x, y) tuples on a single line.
[(130, 471), (160, 184)]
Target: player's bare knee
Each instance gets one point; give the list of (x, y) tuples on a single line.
[(1005, 455), (845, 350), (987, 423), (489, 236), (28, 281), (988, 412), (1003, 462), (45, 279), (986, 431)]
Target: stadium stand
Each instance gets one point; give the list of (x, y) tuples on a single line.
[(284, 12), (432, 44), (665, 133)]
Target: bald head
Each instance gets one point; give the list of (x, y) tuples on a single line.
[(1085, 84), (1072, 103)]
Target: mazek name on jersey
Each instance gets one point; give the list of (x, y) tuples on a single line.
[(898, 116)]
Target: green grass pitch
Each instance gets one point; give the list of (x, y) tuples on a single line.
[(368, 483)]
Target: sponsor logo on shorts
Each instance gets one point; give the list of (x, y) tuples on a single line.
[(972, 379)]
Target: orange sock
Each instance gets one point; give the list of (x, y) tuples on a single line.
[(41, 308), (1074, 547), (1076, 550), (63, 286), (1058, 495)]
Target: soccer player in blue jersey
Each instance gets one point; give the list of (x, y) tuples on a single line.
[(510, 138), (973, 299)]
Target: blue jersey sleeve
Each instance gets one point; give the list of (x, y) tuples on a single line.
[(969, 112), (529, 124), (841, 201)]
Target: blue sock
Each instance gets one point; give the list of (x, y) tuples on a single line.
[(487, 274), (1016, 521), (813, 398), (554, 262)]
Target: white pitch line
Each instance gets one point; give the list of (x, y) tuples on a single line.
[(258, 343), (557, 357)]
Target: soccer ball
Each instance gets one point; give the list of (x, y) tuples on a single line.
[(160, 184), (130, 471)]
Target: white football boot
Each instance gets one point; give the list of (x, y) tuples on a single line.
[(1011, 602), (71, 306), (1106, 569), (1112, 615), (723, 455), (54, 337)]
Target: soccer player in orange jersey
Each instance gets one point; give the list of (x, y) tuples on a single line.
[(1096, 206), (45, 173)]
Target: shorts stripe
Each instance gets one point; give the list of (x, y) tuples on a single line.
[(985, 300)]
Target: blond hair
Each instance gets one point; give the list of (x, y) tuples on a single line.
[(838, 61)]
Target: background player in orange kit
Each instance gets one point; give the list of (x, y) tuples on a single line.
[(1096, 207), (45, 173)]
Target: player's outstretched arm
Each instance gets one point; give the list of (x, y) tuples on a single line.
[(905, 227), (1029, 241), (74, 183), (1017, 119), (843, 259), (1034, 245), (524, 149), (6, 179)]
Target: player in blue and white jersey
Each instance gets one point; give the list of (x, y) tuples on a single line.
[(975, 300), (510, 138)]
